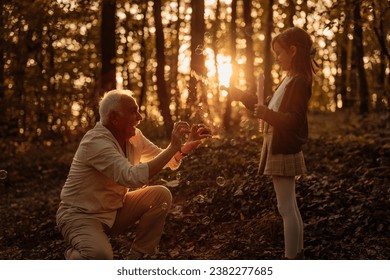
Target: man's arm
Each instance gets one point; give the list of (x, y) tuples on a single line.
[(159, 162)]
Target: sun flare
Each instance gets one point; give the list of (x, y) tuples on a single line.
[(224, 66)]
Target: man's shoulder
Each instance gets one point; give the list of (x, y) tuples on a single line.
[(98, 135)]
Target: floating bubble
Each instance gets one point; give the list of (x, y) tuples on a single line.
[(206, 220), (233, 142), (199, 50), (178, 208), (178, 176), (188, 183), (220, 181), (199, 198), (164, 206), (250, 170), (3, 174)]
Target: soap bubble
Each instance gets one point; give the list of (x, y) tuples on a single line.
[(220, 181), (206, 220), (3, 174), (233, 142), (251, 170), (199, 50), (164, 206), (178, 176), (199, 198), (178, 208)]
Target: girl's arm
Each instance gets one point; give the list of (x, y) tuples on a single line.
[(249, 100)]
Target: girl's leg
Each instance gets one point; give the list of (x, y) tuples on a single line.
[(288, 209)]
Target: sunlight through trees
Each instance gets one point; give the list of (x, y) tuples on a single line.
[(55, 56)]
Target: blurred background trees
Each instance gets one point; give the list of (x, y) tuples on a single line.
[(59, 56)]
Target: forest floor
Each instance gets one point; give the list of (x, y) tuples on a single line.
[(344, 198)]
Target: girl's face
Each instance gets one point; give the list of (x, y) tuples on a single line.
[(284, 57)]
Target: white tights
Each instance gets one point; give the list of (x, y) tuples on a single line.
[(288, 209)]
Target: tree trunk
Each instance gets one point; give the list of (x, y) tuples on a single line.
[(197, 48), (269, 25), (175, 64), (291, 13), (379, 30), (2, 88), (108, 45), (162, 93), (233, 78), (249, 67), (144, 60), (343, 80), (358, 42), (215, 39)]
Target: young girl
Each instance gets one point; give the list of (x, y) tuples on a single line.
[(286, 129)]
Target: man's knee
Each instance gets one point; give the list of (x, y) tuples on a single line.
[(102, 253), (90, 252), (163, 195), (86, 240), (166, 194)]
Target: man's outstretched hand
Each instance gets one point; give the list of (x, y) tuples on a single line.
[(197, 133)]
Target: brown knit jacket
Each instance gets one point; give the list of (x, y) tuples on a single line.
[(290, 122)]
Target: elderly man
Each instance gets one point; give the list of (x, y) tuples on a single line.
[(112, 158)]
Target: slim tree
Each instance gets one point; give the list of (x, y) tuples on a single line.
[(197, 56), (249, 67), (379, 12), (144, 59), (1, 50), (269, 24), (108, 45), (344, 78), (358, 43), (233, 53), (163, 96)]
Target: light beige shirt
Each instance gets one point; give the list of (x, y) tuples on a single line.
[(101, 174)]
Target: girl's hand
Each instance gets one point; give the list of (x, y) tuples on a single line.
[(259, 111), (235, 93)]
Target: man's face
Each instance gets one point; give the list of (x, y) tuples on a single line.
[(129, 117)]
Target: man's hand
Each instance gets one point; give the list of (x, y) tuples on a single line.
[(198, 132), (180, 129)]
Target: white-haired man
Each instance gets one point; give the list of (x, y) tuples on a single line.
[(113, 159)]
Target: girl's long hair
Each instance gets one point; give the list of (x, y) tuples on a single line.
[(302, 63)]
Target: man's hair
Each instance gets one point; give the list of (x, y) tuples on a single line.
[(111, 102)]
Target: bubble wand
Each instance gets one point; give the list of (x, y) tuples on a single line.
[(260, 98)]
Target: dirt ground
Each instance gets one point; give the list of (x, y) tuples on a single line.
[(222, 209)]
